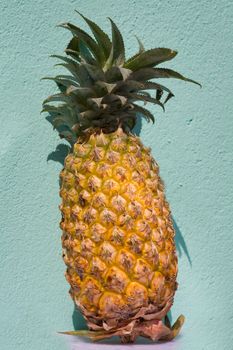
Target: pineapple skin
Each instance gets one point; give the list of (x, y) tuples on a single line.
[(118, 236)]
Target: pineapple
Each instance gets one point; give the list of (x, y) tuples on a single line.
[(118, 236)]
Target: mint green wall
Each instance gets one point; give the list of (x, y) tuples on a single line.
[(192, 142)]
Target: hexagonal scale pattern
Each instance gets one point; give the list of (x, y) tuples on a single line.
[(118, 238)]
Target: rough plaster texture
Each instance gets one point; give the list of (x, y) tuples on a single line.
[(192, 142)]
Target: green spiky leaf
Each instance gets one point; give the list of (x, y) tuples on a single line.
[(59, 122), (71, 68), (72, 48), (79, 51), (129, 86), (149, 85), (57, 98), (169, 73), (61, 109), (94, 72), (156, 73), (65, 80), (141, 46), (118, 46), (100, 36), (144, 112), (87, 39), (133, 86), (65, 59), (150, 58), (117, 54), (141, 50), (139, 97)]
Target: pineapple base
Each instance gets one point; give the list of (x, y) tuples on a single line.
[(155, 330), (145, 323)]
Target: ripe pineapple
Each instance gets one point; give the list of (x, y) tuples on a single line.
[(118, 236)]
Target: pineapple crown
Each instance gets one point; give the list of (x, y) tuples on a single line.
[(102, 89)]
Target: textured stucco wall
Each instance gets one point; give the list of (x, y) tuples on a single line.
[(192, 142)]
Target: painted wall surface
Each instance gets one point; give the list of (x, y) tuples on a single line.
[(192, 142)]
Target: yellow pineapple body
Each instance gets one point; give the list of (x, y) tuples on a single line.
[(118, 237)]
